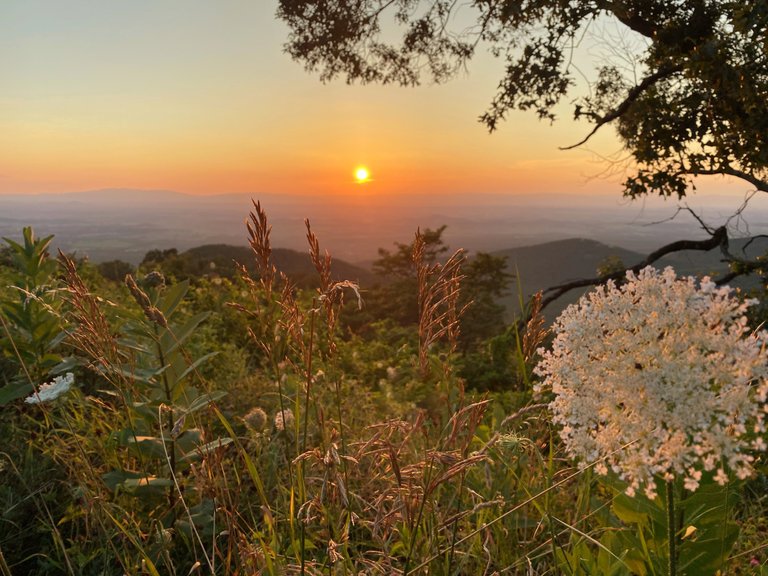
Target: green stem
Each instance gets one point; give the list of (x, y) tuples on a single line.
[(170, 415), (671, 529), (308, 363)]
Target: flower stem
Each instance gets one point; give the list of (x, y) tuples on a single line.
[(671, 529)]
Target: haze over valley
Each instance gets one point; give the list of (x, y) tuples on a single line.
[(125, 224)]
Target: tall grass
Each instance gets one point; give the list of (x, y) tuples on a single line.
[(308, 465)]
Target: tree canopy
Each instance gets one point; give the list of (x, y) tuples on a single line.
[(695, 104)]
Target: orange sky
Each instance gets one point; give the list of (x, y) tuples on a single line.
[(198, 97)]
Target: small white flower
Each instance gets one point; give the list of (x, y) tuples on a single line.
[(650, 491), (51, 391), (721, 477), (691, 482)]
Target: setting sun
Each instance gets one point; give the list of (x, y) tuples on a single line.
[(362, 174)]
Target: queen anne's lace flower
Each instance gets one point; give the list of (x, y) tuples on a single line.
[(52, 390), (660, 378)]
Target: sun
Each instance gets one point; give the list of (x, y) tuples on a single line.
[(362, 175)]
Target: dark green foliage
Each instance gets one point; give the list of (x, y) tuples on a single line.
[(31, 328), (115, 270), (6, 256), (610, 265), (396, 294), (485, 282), (493, 365)]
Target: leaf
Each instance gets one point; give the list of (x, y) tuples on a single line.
[(14, 391), (133, 481), (67, 364), (205, 449), (188, 440), (172, 339), (630, 510), (144, 375), (132, 484), (146, 446), (173, 296), (131, 344), (203, 518), (204, 400)]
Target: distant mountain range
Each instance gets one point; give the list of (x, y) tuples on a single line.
[(125, 224)]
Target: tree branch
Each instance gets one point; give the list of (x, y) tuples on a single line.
[(631, 19), (719, 238), (632, 95), (727, 170)]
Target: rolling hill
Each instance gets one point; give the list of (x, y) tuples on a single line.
[(541, 266)]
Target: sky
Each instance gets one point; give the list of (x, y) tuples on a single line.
[(199, 97)]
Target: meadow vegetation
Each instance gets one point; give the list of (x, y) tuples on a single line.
[(242, 425)]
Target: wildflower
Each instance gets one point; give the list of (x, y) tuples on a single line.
[(256, 419), (52, 390), (284, 420), (154, 279), (659, 378)]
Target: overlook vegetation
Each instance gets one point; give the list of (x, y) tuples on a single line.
[(229, 420), (196, 416)]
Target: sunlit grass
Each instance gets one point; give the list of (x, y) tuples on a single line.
[(302, 449)]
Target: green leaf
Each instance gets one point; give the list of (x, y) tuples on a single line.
[(196, 364), (132, 481), (204, 400), (151, 446), (172, 297), (150, 482), (202, 516), (173, 338), (708, 509), (205, 449), (188, 440), (67, 364), (145, 375), (14, 391), (630, 510)]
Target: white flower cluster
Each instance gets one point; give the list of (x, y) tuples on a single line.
[(52, 390), (658, 378)]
